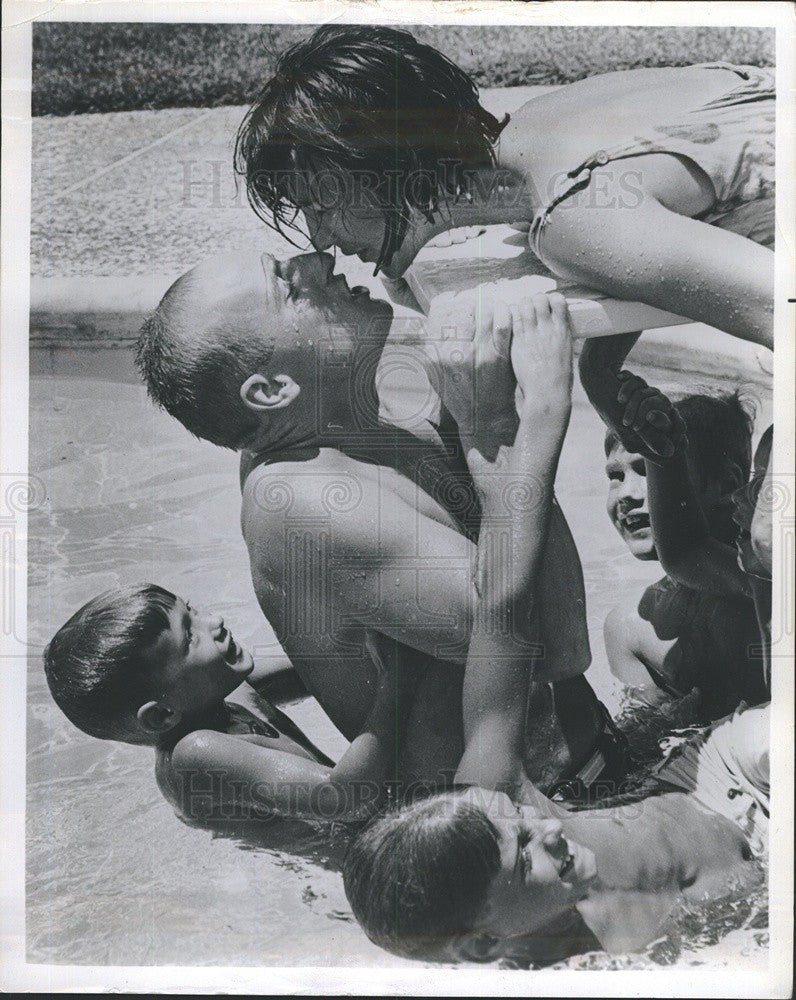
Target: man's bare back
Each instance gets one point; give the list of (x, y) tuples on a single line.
[(383, 544)]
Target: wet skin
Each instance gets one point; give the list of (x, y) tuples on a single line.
[(302, 308)]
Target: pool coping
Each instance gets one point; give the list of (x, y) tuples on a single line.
[(106, 312)]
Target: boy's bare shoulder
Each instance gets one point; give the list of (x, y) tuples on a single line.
[(179, 769)]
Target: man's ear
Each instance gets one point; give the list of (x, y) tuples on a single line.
[(263, 392), (158, 717)]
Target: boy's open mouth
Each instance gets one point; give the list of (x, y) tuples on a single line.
[(567, 864), (232, 652), (635, 522)]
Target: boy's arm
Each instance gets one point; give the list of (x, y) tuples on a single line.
[(243, 774), (687, 550), (500, 658), (599, 364)]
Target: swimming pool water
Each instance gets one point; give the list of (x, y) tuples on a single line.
[(113, 878)]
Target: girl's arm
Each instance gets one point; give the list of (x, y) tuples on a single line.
[(599, 364), (653, 255), (516, 488)]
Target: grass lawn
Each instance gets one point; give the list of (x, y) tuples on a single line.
[(82, 67)]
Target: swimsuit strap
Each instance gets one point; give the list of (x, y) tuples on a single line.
[(580, 178)]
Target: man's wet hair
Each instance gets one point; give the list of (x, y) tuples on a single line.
[(719, 429), (193, 368), (97, 666), (373, 106), (417, 877)]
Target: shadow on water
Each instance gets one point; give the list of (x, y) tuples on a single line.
[(289, 841)]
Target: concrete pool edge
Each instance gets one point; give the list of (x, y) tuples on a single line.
[(107, 312)]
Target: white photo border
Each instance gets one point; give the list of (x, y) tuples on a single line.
[(15, 973)]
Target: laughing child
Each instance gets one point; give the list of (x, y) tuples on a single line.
[(672, 470), (139, 665)]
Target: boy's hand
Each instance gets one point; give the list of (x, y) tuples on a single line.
[(650, 415), (541, 349), (600, 360)]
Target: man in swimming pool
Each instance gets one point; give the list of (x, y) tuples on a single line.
[(353, 526)]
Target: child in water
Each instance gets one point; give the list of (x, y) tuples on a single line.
[(673, 470), (141, 666)]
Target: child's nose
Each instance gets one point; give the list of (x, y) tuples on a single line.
[(214, 622), (634, 488)]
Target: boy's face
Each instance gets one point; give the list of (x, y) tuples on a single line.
[(627, 501), (542, 872), (196, 661)]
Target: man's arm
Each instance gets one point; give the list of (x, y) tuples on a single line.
[(500, 659)]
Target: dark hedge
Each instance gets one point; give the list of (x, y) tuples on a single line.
[(81, 68)]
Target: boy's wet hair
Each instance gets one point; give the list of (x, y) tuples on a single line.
[(96, 664), (374, 106), (417, 877), (194, 372), (719, 429)]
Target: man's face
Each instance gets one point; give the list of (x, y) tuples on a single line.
[(313, 327), (627, 501), (300, 299)]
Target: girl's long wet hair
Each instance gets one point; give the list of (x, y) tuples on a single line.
[(370, 109)]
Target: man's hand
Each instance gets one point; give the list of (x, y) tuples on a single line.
[(650, 415), (468, 354), (541, 349)]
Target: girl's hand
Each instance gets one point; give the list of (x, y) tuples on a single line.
[(651, 416), (541, 349)]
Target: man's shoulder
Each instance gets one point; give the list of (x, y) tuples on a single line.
[(288, 484), (327, 489)]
